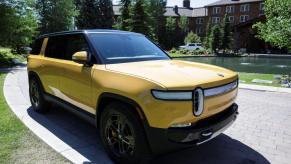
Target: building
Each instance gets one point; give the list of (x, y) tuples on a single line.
[(242, 14), (238, 11), (197, 17)]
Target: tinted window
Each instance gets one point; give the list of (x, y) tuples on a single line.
[(56, 47), (75, 43), (191, 44), (63, 47), (116, 48), (36, 47)]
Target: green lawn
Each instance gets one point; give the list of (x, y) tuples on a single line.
[(248, 77), (17, 143)]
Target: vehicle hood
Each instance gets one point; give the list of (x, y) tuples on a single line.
[(177, 74)]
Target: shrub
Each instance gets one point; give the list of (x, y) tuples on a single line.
[(6, 57)]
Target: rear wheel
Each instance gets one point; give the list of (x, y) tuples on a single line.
[(122, 134), (38, 102)]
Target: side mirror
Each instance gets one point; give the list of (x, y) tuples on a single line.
[(80, 57)]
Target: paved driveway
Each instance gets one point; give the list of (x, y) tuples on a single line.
[(261, 134)]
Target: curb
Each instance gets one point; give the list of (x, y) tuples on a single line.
[(264, 88)]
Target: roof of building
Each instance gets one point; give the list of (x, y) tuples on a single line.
[(170, 11), (86, 31), (228, 2)]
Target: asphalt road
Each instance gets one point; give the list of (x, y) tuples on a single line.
[(261, 134)]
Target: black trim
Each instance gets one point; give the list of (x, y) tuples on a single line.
[(171, 138), (71, 108)]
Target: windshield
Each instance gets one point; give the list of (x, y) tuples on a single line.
[(118, 48)]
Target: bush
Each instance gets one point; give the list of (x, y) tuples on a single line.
[(6, 57)]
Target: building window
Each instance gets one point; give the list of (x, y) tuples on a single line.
[(216, 10), (199, 20), (230, 19), (199, 30), (215, 19), (245, 8), (229, 9), (244, 18)]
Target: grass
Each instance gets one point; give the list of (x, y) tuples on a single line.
[(18, 143), (248, 77), (6, 57)]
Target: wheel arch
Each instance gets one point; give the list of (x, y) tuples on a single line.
[(106, 97)]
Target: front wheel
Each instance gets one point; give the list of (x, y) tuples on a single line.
[(122, 134), (38, 102)]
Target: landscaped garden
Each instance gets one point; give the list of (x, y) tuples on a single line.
[(8, 59)]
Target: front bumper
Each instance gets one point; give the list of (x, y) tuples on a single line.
[(164, 140)]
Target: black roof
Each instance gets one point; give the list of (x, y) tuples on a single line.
[(85, 31)]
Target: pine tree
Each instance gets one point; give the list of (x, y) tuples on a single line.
[(95, 14), (227, 34), (106, 14), (125, 14), (216, 38), (56, 15), (158, 20), (139, 18)]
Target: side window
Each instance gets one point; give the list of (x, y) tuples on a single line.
[(75, 43), (36, 47), (56, 47)]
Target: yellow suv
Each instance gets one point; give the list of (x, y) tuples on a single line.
[(142, 101)]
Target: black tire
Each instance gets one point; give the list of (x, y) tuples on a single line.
[(138, 151), (36, 94)]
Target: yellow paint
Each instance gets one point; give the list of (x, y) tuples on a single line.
[(82, 86)]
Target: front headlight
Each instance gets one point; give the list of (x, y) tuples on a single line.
[(172, 95)]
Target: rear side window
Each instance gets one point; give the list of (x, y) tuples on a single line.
[(36, 47), (63, 47), (56, 47)]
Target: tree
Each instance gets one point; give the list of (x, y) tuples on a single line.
[(125, 14), (207, 39), (192, 38), (56, 15), (277, 28), (158, 20), (215, 38), (18, 23), (226, 33), (183, 24), (139, 18), (106, 14), (170, 32), (88, 17)]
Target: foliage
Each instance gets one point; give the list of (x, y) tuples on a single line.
[(226, 34), (216, 38), (7, 57), (192, 38), (125, 14), (184, 52), (170, 33), (183, 24), (56, 15), (277, 28), (158, 20), (207, 39), (139, 21), (18, 23)]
